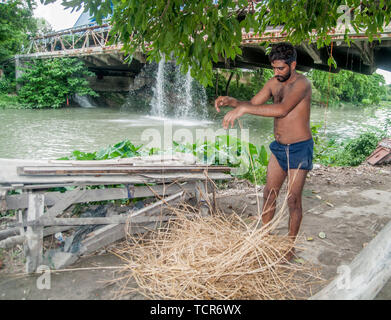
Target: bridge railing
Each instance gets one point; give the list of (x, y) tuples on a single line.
[(79, 38)]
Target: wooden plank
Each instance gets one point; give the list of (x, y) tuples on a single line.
[(366, 275), (184, 158), (140, 191), (21, 200), (67, 201), (112, 232), (16, 231), (95, 221), (68, 171), (101, 163), (9, 177), (16, 239), (12, 241), (9, 233), (34, 234), (157, 207), (109, 234)]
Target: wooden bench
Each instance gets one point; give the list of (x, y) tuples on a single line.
[(170, 179)]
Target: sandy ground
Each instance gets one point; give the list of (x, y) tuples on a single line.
[(350, 205)]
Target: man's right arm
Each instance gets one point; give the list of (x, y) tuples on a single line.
[(263, 95)]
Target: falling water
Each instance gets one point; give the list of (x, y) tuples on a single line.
[(158, 103), (188, 95), (183, 85), (177, 94), (83, 101), (202, 101)]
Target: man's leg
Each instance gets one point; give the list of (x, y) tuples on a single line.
[(274, 179), (296, 180)]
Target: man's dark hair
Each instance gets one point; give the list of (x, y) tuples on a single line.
[(283, 51)]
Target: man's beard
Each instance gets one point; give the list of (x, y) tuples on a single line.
[(284, 78)]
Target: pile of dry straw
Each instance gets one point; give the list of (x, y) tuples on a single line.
[(220, 256)]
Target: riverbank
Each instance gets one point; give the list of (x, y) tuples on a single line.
[(350, 205)]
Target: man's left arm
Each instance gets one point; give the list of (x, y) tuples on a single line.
[(276, 110)]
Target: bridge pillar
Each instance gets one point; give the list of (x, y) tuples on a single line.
[(19, 65)]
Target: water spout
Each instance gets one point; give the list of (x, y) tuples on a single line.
[(159, 101), (185, 93), (177, 94), (83, 101)]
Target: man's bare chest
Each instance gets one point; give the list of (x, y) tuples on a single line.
[(279, 92)]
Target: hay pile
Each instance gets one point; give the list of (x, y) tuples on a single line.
[(215, 257)]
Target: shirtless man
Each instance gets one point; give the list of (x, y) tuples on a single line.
[(292, 151)]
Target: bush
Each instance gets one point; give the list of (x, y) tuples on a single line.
[(350, 153), (9, 101), (357, 150), (6, 86), (49, 83)]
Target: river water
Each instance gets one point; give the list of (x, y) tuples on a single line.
[(50, 134)]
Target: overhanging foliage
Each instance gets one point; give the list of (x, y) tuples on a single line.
[(197, 33)]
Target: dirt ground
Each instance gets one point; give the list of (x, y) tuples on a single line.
[(349, 205)]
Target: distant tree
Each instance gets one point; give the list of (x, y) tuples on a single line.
[(43, 26), (16, 24), (348, 86), (49, 83)]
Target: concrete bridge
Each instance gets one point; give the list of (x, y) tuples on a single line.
[(90, 43)]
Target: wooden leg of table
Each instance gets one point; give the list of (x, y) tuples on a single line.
[(34, 235), (22, 217)]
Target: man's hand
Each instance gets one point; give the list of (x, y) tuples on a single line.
[(225, 101), (231, 116)]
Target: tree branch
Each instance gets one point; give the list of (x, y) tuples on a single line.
[(165, 9)]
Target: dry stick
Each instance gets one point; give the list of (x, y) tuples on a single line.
[(255, 180), (74, 269)]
